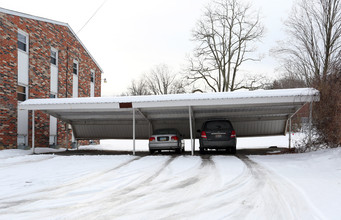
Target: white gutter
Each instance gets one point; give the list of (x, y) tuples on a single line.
[(177, 100)]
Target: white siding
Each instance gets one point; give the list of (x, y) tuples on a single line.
[(22, 68), (75, 86), (53, 130), (22, 127), (54, 79)]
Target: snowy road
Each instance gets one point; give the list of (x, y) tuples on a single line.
[(150, 187)]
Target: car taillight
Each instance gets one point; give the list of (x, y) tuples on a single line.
[(203, 134), (233, 134), (152, 139), (174, 138)]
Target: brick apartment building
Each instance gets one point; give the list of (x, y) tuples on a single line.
[(40, 58)]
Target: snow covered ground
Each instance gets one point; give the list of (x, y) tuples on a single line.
[(49, 186)]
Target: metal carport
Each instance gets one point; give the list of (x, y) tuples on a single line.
[(253, 113)]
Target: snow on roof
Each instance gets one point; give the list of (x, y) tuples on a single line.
[(177, 97), (20, 14)]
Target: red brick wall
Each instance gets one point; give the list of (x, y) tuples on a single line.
[(42, 36), (8, 79)]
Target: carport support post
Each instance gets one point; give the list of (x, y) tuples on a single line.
[(33, 146), (191, 129), (310, 121), (133, 131), (290, 133)]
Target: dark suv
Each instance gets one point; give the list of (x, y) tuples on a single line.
[(218, 134)]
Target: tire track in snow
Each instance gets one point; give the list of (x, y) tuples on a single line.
[(156, 174), (163, 201), (205, 163), (54, 192), (112, 199), (129, 192), (201, 193), (273, 196), (108, 198), (5, 165), (210, 196), (192, 192), (255, 192)]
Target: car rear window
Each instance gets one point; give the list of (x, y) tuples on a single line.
[(165, 131), (217, 125)]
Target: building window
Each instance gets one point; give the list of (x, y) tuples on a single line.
[(21, 93), (92, 76), (22, 42), (75, 68), (53, 57), (52, 96)]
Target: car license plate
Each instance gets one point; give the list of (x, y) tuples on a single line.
[(218, 135), (163, 139)]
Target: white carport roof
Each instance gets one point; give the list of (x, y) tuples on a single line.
[(253, 113)]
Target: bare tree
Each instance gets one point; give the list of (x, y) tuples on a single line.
[(159, 80), (226, 36), (286, 82), (314, 42), (327, 112), (253, 82), (138, 87), (312, 53)]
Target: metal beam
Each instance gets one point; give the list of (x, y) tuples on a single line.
[(142, 114), (126, 120), (194, 126), (191, 128), (133, 131), (310, 121), (290, 133), (33, 131), (147, 119), (214, 113)]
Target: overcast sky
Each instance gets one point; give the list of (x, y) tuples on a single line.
[(128, 38)]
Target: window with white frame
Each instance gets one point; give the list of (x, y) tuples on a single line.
[(21, 93), (92, 76), (54, 56), (92, 83), (75, 68), (54, 71), (22, 41)]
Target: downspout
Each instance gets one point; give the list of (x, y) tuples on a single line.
[(66, 95)]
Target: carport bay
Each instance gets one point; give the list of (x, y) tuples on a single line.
[(253, 113)]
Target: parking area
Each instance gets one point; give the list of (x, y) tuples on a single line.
[(252, 113), (245, 146), (251, 151)]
